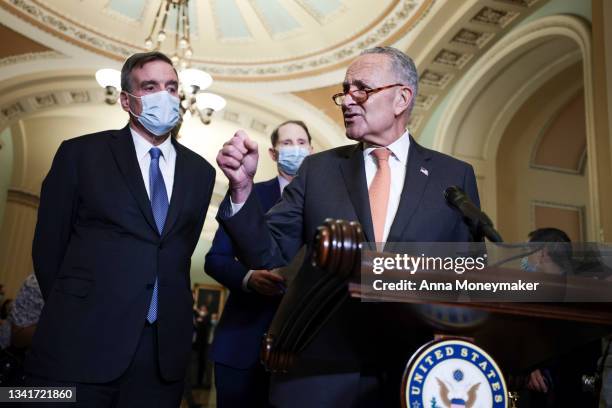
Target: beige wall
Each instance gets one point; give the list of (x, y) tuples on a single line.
[(35, 140), (6, 167), (531, 196)]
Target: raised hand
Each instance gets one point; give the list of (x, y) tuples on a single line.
[(238, 161)]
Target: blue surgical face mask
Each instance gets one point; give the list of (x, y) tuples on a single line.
[(160, 112), (290, 158), (528, 266)]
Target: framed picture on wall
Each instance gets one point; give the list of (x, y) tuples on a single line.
[(211, 296)]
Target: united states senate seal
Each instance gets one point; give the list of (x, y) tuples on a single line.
[(453, 373)]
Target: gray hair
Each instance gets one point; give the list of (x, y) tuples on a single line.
[(403, 66)]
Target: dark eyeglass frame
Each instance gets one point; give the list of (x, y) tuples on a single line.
[(359, 95)]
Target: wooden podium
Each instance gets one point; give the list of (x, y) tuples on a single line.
[(518, 335)]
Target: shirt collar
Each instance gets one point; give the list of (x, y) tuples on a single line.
[(143, 146), (283, 182), (399, 148)]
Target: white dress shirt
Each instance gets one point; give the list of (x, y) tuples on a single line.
[(397, 163), (282, 182), (167, 161)]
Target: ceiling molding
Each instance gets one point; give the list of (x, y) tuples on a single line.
[(481, 25), (36, 102), (22, 197), (395, 22), (398, 22), (76, 34), (30, 57), (510, 49)]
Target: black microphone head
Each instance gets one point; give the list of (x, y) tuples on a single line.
[(453, 195)]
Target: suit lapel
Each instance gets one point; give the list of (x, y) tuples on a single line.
[(179, 188), (353, 171), (414, 185), (122, 147), (276, 189), (271, 192)]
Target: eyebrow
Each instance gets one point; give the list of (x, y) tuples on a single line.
[(357, 82), (152, 82)]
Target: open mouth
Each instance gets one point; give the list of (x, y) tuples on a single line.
[(349, 116)]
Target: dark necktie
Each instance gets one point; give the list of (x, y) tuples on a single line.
[(159, 205)]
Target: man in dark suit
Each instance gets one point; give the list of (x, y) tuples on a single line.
[(120, 214), (390, 184), (240, 379)]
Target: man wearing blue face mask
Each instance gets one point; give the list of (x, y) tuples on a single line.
[(290, 145), (120, 214), (240, 379)]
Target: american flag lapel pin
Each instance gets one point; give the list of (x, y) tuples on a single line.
[(424, 171)]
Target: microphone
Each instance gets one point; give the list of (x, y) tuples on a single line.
[(480, 222)]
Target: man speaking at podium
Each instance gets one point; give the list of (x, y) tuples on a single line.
[(390, 184)]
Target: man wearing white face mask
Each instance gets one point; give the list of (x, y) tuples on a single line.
[(120, 214), (240, 379)]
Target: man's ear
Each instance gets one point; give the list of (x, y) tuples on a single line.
[(272, 154), (124, 99), (403, 99)]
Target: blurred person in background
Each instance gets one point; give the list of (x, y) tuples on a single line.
[(255, 294), (558, 382)]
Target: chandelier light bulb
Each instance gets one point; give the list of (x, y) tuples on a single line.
[(108, 77), (161, 36), (192, 78), (183, 43), (206, 100), (148, 43), (188, 52)]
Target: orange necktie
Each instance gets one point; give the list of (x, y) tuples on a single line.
[(379, 192)]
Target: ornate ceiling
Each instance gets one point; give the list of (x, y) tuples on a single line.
[(233, 39), (289, 48)]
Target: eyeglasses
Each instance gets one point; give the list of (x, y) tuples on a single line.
[(359, 95)]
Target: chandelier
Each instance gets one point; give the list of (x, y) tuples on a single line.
[(192, 81), (182, 45)]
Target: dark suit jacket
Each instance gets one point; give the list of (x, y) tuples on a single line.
[(246, 316), (332, 184), (97, 253)]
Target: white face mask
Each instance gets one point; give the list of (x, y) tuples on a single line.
[(160, 112)]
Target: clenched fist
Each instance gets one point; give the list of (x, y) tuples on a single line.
[(238, 161)]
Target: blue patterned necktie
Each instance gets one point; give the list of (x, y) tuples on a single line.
[(159, 205)]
